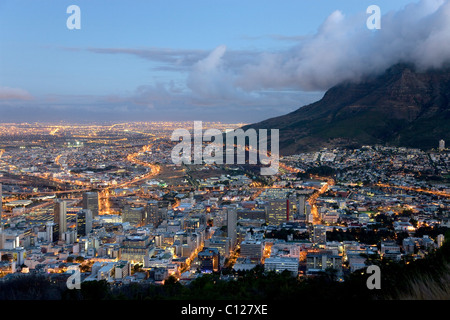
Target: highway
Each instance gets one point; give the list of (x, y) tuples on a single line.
[(104, 194), (420, 190)]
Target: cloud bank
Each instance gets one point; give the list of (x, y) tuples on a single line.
[(252, 85), (8, 93), (344, 49)]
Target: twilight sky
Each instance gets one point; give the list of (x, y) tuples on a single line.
[(210, 60)]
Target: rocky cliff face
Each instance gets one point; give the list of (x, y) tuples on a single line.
[(402, 107)]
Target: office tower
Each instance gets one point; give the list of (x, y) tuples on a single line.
[(209, 259), (291, 208), (308, 213), (60, 218), (301, 204), (279, 211), (90, 201), (1, 207), (49, 230), (232, 225), (2, 236), (220, 243), (251, 214), (137, 249), (319, 235), (156, 212), (280, 264), (84, 222), (152, 213), (441, 145), (134, 216), (440, 240), (193, 223), (252, 249), (276, 212)]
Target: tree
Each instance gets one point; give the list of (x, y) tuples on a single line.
[(94, 290), (137, 267), (5, 257)]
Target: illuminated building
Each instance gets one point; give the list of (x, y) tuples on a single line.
[(390, 250), (60, 219), (193, 223), (209, 260), (232, 226), (156, 212), (440, 240), (122, 269), (280, 210), (137, 249), (252, 214), (320, 261), (279, 264), (1, 207), (441, 145), (319, 235), (134, 216), (90, 201), (308, 213), (49, 231), (302, 204), (252, 249), (220, 243), (84, 222), (2, 237)]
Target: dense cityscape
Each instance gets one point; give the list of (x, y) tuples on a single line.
[(108, 200)]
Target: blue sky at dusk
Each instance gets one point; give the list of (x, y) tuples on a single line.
[(218, 60)]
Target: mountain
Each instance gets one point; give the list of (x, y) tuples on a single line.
[(401, 107)]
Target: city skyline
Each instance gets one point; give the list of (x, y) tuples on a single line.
[(136, 161), (177, 61), (161, 222)]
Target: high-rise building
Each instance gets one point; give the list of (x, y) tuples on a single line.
[(441, 145), (194, 222), (1, 207), (2, 237), (60, 218), (209, 259), (280, 210), (221, 243), (232, 225), (308, 213), (319, 235), (156, 212), (137, 249), (84, 222), (133, 215), (90, 201), (251, 214), (252, 249), (49, 231), (440, 240), (152, 213), (301, 204)]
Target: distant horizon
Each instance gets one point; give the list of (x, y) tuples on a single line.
[(64, 122)]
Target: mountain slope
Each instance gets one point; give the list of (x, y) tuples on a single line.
[(402, 107)]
